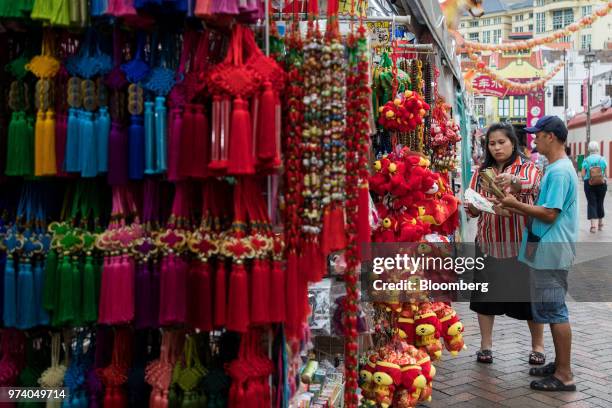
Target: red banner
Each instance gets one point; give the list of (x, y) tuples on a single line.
[(486, 86)]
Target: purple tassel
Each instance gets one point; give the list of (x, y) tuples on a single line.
[(117, 155), (143, 289), (226, 7), (174, 143), (155, 266)]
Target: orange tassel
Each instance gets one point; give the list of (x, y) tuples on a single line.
[(49, 167)]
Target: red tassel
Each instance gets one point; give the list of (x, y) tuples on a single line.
[(220, 295), (278, 302), (306, 260), (238, 302), (260, 292), (220, 134), (201, 149), (241, 161), (186, 156), (203, 300), (174, 143), (266, 130), (363, 222), (338, 238), (291, 302)]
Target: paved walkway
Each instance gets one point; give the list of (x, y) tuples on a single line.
[(461, 382)]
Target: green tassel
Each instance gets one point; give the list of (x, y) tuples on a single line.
[(98, 266), (49, 290), (77, 290), (20, 150), (28, 162), (90, 308), (65, 312)]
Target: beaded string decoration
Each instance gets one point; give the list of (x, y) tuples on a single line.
[(293, 178), (428, 95), (417, 84), (333, 91), (357, 194), (311, 257)]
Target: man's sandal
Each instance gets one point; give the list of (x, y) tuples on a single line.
[(548, 369), (551, 383), (484, 356), (537, 358)]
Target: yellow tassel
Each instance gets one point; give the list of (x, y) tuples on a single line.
[(39, 131), (49, 166)]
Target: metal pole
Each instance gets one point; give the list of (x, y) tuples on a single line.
[(565, 85), (588, 117), (371, 19)]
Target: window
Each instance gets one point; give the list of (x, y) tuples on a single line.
[(503, 107), (474, 23), (479, 106), (565, 39), (519, 106), (497, 20), (539, 3), (562, 18), (519, 29), (496, 36), (462, 25), (486, 37), (558, 95), (530, 15), (518, 17), (530, 27), (540, 22), (587, 10), (474, 37), (585, 41), (609, 90)]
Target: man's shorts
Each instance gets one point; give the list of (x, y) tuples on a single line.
[(549, 287)]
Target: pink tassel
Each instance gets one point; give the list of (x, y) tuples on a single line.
[(200, 149), (123, 291), (204, 8), (173, 290), (186, 156), (174, 142), (226, 7)]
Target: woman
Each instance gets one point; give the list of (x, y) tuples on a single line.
[(595, 165), (499, 237)]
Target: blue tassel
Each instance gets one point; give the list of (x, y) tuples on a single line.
[(10, 292), (87, 146), (136, 148), (2, 266), (71, 160), (98, 7), (26, 310), (39, 282), (102, 126), (149, 127), (161, 134)]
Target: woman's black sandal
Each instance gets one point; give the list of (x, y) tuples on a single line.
[(484, 356), (548, 369), (537, 358), (551, 383)]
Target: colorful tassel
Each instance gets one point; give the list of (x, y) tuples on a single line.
[(103, 125), (174, 144), (38, 143), (9, 309), (66, 306), (200, 151), (39, 282), (161, 135), (71, 160), (277, 293), (238, 300), (149, 131), (118, 155), (61, 128), (241, 161), (187, 143), (220, 317), (226, 7), (260, 292), (87, 146), (173, 290), (26, 307), (266, 129), (136, 148), (90, 306)]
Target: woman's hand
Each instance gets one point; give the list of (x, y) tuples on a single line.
[(499, 210), (472, 210), (508, 182)]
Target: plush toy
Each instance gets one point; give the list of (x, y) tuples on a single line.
[(404, 113), (451, 327), (429, 372), (411, 229), (427, 328), (414, 382), (367, 386), (380, 181), (387, 378), (405, 325)]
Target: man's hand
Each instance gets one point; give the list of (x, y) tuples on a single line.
[(499, 210), (509, 201)]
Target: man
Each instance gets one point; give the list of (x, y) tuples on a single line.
[(554, 223)]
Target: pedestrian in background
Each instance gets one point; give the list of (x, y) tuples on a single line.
[(595, 186)]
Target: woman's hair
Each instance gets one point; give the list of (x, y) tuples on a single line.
[(593, 147), (508, 131)]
